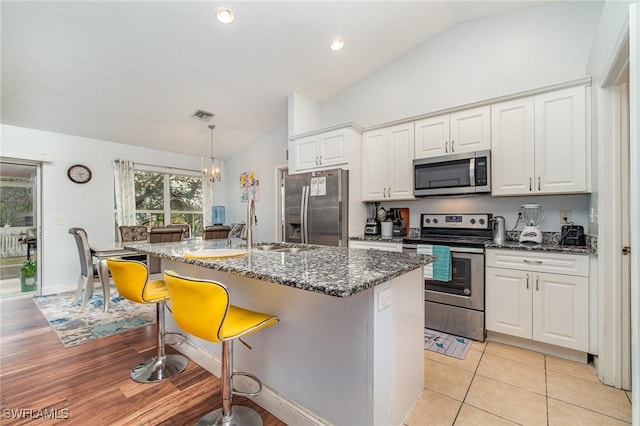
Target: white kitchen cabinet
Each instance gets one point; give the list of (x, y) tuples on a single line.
[(376, 245), (527, 297), (387, 163), (321, 150), (539, 144), (338, 146), (461, 131)]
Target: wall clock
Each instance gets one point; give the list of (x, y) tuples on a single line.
[(79, 173)]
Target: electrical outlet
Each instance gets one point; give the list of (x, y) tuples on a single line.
[(384, 299), (565, 216)]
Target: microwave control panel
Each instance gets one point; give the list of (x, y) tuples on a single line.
[(481, 171)]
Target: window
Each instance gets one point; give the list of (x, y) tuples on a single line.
[(163, 195)]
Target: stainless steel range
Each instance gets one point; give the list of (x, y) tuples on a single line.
[(456, 306)]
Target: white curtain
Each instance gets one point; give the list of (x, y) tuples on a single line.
[(125, 190)]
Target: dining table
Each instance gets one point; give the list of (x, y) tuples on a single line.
[(102, 253)]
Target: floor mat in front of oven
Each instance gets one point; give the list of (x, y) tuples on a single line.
[(446, 344)]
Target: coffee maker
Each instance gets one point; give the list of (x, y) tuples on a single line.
[(372, 227), (399, 229)]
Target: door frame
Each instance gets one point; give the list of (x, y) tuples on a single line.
[(37, 210)]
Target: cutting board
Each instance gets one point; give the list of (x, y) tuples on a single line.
[(215, 253)]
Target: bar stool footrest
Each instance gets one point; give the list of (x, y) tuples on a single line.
[(252, 377)]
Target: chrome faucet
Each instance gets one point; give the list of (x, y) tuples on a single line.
[(251, 220)]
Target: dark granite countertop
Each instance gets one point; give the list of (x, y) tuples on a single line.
[(377, 238), (545, 246), (334, 271)]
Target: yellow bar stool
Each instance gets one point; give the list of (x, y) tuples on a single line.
[(132, 281), (201, 308)]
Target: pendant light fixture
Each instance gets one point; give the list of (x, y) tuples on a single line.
[(210, 170)]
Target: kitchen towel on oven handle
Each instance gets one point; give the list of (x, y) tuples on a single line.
[(439, 270)]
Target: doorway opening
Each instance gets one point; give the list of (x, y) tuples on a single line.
[(19, 266)]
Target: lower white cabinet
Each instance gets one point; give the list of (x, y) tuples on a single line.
[(525, 299), (376, 245)]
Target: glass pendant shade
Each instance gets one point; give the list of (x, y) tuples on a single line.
[(210, 170)]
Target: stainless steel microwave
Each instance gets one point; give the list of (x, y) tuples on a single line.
[(466, 173)]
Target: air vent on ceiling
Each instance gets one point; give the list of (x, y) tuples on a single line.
[(202, 115)]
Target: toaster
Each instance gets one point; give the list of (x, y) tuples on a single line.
[(572, 235)]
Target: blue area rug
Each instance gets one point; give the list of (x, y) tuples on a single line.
[(74, 327), (446, 344)]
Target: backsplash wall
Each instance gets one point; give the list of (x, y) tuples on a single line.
[(501, 206)]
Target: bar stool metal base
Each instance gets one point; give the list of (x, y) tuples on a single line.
[(240, 416), (157, 369)]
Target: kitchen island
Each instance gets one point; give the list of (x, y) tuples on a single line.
[(349, 348)]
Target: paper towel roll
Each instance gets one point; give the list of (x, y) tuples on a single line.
[(387, 229)]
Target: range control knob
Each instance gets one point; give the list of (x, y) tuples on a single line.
[(481, 221), (435, 220), (473, 221), (427, 220)]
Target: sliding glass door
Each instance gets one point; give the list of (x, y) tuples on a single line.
[(19, 199)]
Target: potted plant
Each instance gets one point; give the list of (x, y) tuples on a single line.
[(28, 276)]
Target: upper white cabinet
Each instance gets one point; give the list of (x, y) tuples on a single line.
[(461, 131), (322, 150), (539, 144), (388, 163)]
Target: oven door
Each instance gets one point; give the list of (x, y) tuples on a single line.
[(466, 288)]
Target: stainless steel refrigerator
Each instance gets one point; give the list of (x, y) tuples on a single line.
[(316, 208)]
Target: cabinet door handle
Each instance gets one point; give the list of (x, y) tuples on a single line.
[(452, 141), (538, 183), (446, 147), (532, 261), (389, 192), (320, 159), (527, 281), (316, 160), (530, 188), (537, 281)]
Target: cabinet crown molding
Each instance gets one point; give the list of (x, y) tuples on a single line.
[(353, 126)]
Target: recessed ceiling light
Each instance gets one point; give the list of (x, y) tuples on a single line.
[(224, 15), (336, 44)]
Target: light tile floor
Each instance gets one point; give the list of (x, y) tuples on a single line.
[(498, 384)]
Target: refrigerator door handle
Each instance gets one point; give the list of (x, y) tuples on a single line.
[(305, 217), (302, 207)]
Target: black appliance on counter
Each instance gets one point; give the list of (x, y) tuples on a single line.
[(399, 229), (572, 235), (456, 306)]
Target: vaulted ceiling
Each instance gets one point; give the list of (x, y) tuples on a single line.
[(133, 72)]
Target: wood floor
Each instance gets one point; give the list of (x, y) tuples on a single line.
[(89, 383)]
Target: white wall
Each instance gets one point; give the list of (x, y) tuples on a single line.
[(262, 158), (474, 61), (89, 206)]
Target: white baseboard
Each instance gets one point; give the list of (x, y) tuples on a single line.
[(544, 348), (282, 408)]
